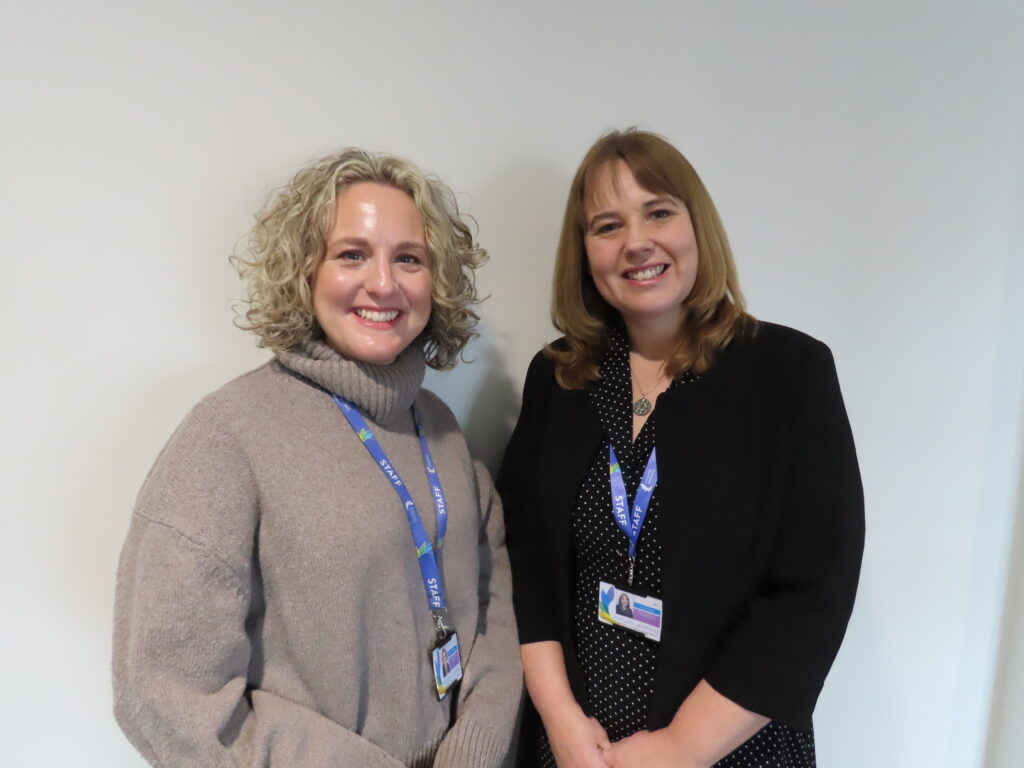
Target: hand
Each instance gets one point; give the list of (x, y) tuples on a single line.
[(648, 749), (577, 741)]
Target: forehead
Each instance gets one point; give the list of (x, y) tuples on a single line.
[(613, 183), (369, 204)]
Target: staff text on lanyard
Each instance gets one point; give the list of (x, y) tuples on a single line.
[(426, 554), (632, 521)]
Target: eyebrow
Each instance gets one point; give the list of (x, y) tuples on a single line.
[(653, 203), (359, 242), (661, 201), (362, 242), (410, 245)]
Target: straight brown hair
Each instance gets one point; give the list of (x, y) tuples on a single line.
[(715, 309)]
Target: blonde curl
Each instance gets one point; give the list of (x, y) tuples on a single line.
[(287, 244)]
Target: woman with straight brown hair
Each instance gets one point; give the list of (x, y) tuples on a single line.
[(675, 452)]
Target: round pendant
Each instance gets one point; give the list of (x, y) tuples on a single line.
[(642, 406)]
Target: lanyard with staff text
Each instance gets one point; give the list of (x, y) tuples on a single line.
[(631, 523), (425, 553)]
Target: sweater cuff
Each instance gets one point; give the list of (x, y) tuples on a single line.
[(469, 745)]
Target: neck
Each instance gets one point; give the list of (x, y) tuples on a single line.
[(654, 338), (383, 392)]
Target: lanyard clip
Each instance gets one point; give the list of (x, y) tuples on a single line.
[(440, 627), (632, 570)]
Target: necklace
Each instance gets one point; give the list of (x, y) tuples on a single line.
[(642, 405)]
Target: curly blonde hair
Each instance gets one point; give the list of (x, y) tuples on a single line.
[(287, 244)]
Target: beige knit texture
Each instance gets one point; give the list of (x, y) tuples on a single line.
[(269, 608)]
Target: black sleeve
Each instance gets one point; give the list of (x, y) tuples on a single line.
[(530, 564), (775, 660)]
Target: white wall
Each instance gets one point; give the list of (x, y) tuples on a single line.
[(867, 162)]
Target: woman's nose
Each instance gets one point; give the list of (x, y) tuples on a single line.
[(637, 240), (382, 279)]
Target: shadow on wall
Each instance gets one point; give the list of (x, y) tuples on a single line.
[(1005, 743), (518, 209), (483, 398), (493, 413)]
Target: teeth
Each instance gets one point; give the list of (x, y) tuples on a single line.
[(377, 317), (646, 274)]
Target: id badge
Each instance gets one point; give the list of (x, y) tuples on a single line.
[(447, 664), (628, 610)]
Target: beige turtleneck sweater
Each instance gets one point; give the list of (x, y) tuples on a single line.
[(270, 610)]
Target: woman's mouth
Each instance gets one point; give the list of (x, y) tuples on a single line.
[(377, 317), (647, 273)]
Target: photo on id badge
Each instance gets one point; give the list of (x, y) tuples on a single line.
[(447, 665), (622, 608)]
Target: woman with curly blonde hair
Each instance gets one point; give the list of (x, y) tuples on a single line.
[(315, 571)]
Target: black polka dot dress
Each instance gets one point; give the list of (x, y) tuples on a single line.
[(619, 666)]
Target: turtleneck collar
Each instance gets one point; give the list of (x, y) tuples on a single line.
[(381, 391)]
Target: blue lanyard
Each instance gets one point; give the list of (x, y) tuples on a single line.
[(424, 551), (630, 523)]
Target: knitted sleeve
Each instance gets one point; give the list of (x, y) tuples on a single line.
[(182, 655), (491, 689)]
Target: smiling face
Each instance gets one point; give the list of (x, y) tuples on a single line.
[(641, 248), (372, 291)]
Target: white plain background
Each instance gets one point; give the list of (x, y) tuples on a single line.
[(868, 161)]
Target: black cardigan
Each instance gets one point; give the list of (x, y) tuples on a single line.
[(762, 523)]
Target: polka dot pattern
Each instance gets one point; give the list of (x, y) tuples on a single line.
[(619, 666)]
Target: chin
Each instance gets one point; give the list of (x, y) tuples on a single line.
[(376, 356), (372, 354), (659, 312)]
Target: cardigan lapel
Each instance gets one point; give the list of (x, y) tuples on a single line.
[(575, 435)]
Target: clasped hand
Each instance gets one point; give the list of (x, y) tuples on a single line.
[(581, 742), (647, 749)]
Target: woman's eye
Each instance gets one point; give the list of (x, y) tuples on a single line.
[(605, 229), (661, 213), (350, 256), (409, 258)]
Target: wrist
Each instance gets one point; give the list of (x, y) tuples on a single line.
[(560, 712), (681, 748)]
